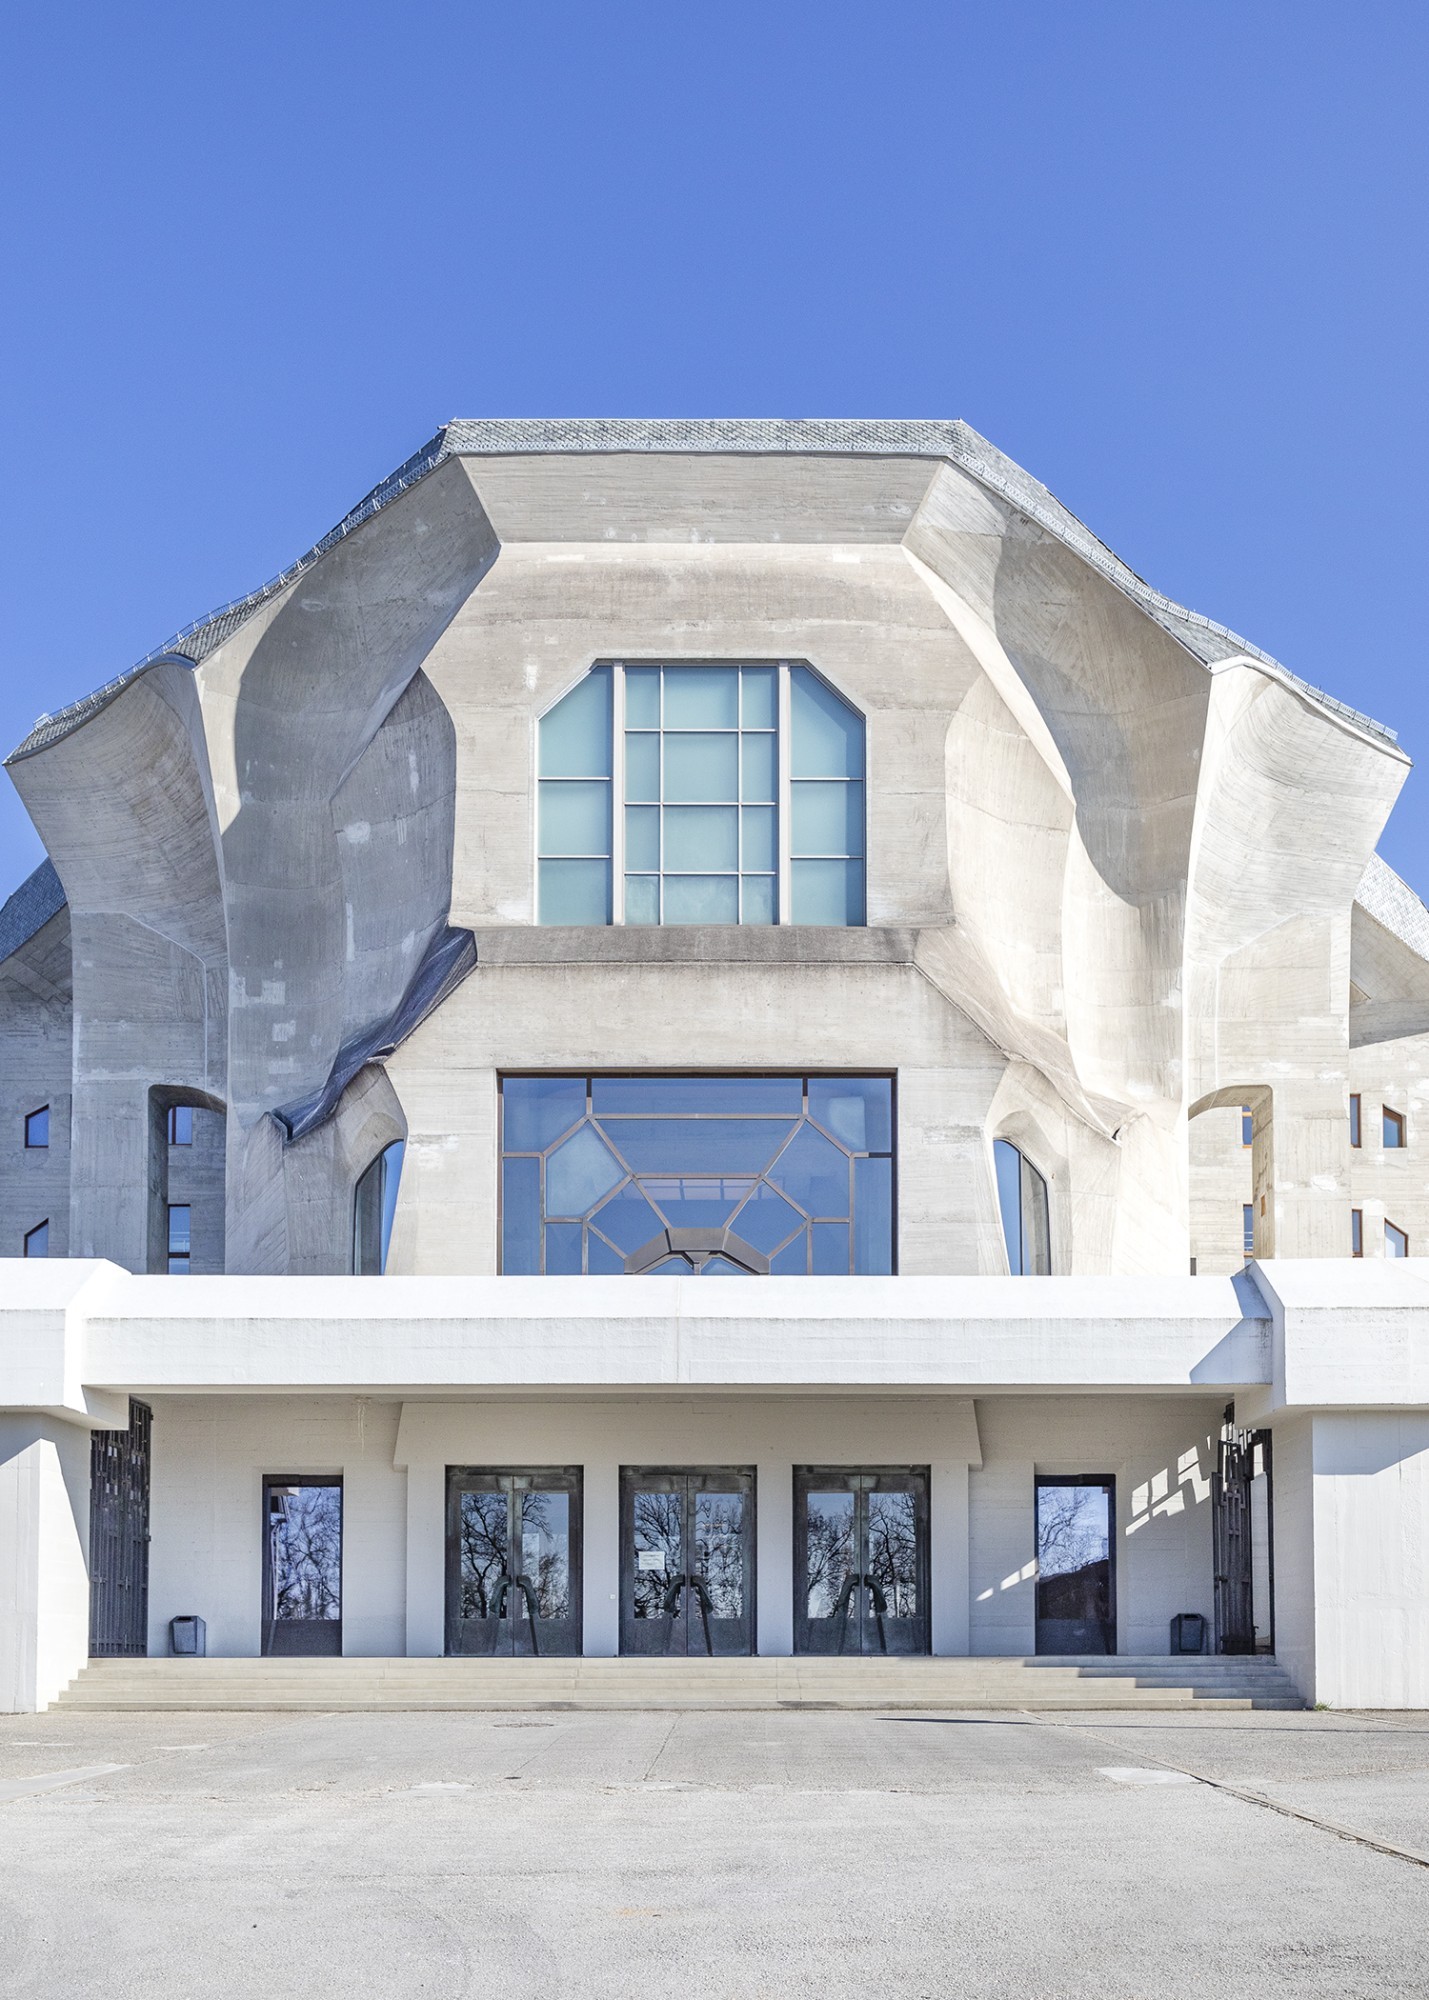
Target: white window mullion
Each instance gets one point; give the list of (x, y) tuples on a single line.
[(783, 788), (617, 794)]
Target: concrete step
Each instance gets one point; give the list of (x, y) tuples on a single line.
[(963, 1683)]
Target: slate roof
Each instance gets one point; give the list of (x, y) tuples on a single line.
[(954, 441), (1391, 902), (38, 898)]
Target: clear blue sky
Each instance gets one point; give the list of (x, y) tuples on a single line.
[(1171, 258)]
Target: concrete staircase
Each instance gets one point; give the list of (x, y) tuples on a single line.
[(1152, 1684)]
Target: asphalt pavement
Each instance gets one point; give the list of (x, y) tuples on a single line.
[(707, 1854)]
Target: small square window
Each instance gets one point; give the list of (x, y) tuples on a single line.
[(1247, 1125), (1356, 1129), (37, 1128), (181, 1125), (1396, 1243), (1247, 1223), (37, 1240), (180, 1237), (1393, 1129), (1357, 1232)]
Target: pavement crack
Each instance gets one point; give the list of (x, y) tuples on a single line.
[(1249, 1798)]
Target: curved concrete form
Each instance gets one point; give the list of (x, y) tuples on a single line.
[(1113, 856)]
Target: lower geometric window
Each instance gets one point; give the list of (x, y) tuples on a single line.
[(1396, 1243), (37, 1240), (720, 1176)]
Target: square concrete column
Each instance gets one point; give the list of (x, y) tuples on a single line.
[(1351, 1500), (774, 1556), (426, 1560), (948, 1556), (44, 1569), (601, 1619)]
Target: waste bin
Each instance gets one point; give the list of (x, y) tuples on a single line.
[(1188, 1632), (188, 1636)]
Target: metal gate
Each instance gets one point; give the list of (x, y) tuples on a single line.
[(119, 1538), (1239, 1453)]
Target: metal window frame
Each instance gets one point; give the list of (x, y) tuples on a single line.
[(783, 801), (591, 1076)]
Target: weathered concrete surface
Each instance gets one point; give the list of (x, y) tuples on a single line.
[(1112, 856), (739, 1856)]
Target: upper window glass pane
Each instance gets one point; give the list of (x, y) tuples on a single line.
[(660, 798), (37, 1127), (374, 1208), (1026, 1222), (725, 1175)]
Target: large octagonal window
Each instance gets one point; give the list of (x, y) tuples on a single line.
[(712, 792)]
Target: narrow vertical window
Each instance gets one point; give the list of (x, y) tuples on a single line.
[(1393, 1129), (1396, 1243), (1026, 1224), (1357, 1232), (1356, 1129), (574, 808), (373, 1209), (180, 1237), (37, 1129), (37, 1240), (1247, 1226), (1247, 1125), (826, 810), (181, 1125)]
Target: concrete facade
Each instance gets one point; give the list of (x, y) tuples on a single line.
[(1121, 896)]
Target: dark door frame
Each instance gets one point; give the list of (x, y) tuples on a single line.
[(569, 1479), (1233, 1535), (1107, 1480), (120, 1463), (268, 1623), (630, 1475), (920, 1485)]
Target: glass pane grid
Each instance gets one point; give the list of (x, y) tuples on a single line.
[(808, 1190), (703, 758), (701, 784)]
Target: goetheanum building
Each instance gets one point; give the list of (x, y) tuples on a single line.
[(622, 855)]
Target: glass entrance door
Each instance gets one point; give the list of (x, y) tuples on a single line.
[(861, 1559), (513, 1561), (1076, 1580), (302, 1565), (687, 1561)]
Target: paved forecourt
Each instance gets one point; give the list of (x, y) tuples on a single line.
[(745, 1854)]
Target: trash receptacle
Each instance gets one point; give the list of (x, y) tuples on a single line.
[(1188, 1632), (188, 1636)]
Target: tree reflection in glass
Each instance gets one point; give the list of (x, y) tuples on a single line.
[(546, 1551), (719, 1551), (305, 1531), (893, 1551), (659, 1549), (485, 1536), (832, 1553)]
